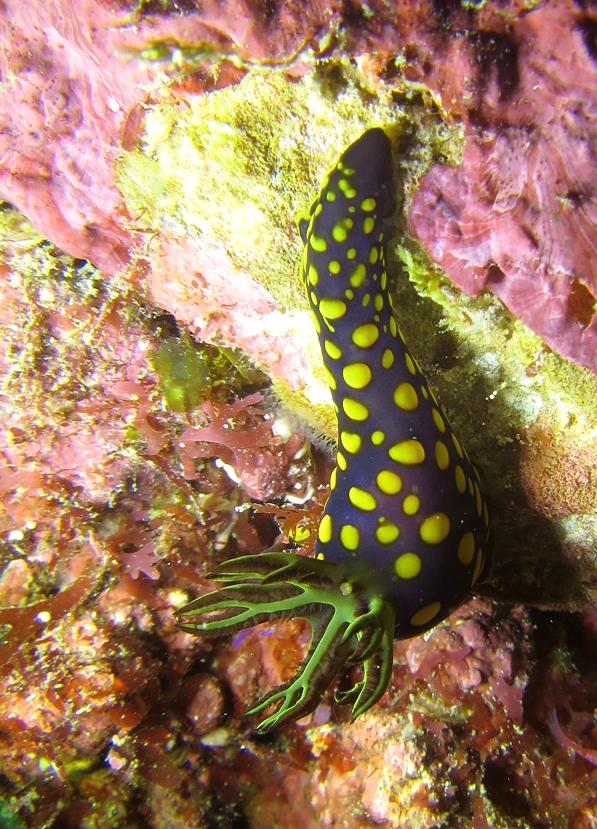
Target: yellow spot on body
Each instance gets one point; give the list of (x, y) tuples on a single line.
[(313, 298), (426, 614), (408, 565), (334, 478), (361, 499), (332, 309), (466, 548), (368, 205), (358, 276), (341, 229), (354, 409), (313, 276), (350, 441), (349, 294), (478, 566), (365, 335), (405, 397), (409, 363), (320, 556), (377, 437), (457, 445), (388, 482), (341, 461), (411, 505), (438, 420), (325, 529), (330, 195), (387, 533), (318, 243), (357, 375), (316, 322), (349, 537), (424, 392), (407, 451), (434, 529), (373, 255), (485, 515), (366, 300), (345, 186), (334, 266), (393, 327), (318, 209), (460, 479), (378, 302), (368, 224), (471, 488), (351, 253), (331, 380), (332, 350), (387, 359), (478, 500), (442, 458), (401, 335)]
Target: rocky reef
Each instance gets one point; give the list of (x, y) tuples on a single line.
[(160, 152)]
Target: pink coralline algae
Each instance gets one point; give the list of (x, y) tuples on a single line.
[(60, 120), (519, 216), (215, 299)]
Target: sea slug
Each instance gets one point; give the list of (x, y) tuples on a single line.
[(405, 531)]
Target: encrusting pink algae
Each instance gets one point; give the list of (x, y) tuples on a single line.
[(160, 153)]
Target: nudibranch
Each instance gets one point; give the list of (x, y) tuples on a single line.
[(405, 531)]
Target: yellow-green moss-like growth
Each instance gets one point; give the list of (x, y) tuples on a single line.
[(183, 374)]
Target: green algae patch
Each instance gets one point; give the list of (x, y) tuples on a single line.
[(183, 374)]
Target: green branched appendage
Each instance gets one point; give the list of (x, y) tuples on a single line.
[(347, 627)]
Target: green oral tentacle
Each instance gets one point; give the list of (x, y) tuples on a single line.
[(339, 618)]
